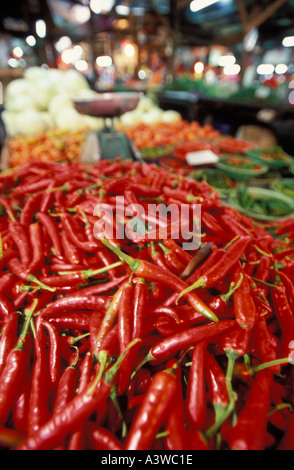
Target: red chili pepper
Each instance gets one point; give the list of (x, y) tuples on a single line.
[(100, 438), (140, 305), (196, 389), (21, 405), (20, 237), (284, 316), (13, 371), (231, 224), (150, 272), (175, 421), (71, 252), (31, 206), (248, 433), (176, 248), (222, 267), (109, 319), (52, 230), (8, 338), (70, 228), (236, 341), (220, 302), (36, 240), (205, 264), (66, 387), (154, 409), (173, 262), (74, 319), (40, 388), (244, 306), (217, 387), (7, 281), (75, 278), (265, 343), (289, 287), (188, 337), (54, 352), (32, 187), (16, 267), (75, 302), (212, 224), (73, 416)]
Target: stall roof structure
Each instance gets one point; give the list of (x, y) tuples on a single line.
[(223, 22)]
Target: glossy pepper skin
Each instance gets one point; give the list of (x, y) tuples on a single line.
[(153, 410)]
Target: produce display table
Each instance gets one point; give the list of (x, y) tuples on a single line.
[(112, 313)]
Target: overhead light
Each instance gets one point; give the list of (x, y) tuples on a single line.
[(63, 43), (101, 6), (265, 69), (31, 40), (81, 14), (232, 69), (198, 67), (123, 10), (12, 62), (104, 61), (81, 65), (226, 60), (281, 68), (41, 28), (197, 5), (129, 50), (17, 52), (291, 97), (288, 41)]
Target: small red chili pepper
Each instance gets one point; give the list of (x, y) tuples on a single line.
[(219, 303), (100, 438), (109, 319), (75, 278), (284, 316), (71, 252), (150, 272), (154, 409), (187, 338), (74, 319), (8, 338), (64, 304), (212, 224), (16, 267), (196, 389), (244, 306), (52, 230), (172, 259), (38, 412), (236, 341), (20, 237), (73, 416), (176, 248), (7, 281), (231, 224), (217, 387), (222, 267), (248, 433), (289, 287), (36, 240), (13, 371), (140, 305), (31, 206), (66, 386), (265, 343)]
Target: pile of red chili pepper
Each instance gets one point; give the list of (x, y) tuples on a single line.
[(122, 343)]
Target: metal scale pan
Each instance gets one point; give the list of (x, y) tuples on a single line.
[(108, 143)]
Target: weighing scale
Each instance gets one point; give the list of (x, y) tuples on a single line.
[(107, 143)]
